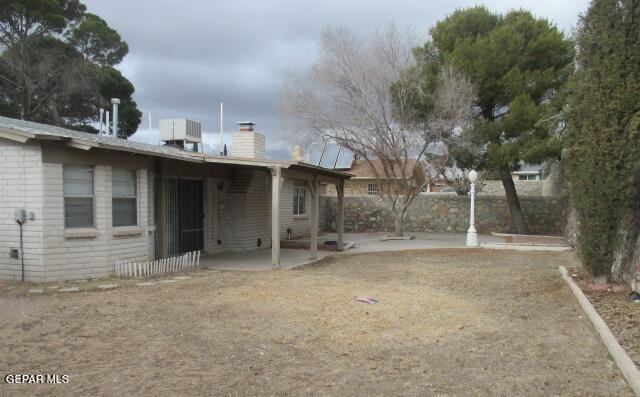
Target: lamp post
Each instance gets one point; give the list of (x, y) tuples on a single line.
[(472, 235)]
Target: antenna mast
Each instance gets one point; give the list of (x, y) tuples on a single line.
[(221, 129)]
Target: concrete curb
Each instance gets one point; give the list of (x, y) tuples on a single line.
[(621, 358), (523, 247)]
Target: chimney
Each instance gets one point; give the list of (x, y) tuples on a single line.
[(297, 154), (248, 143)]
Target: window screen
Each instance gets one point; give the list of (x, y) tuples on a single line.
[(299, 201), (78, 195), (124, 200)]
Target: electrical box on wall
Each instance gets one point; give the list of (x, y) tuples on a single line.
[(20, 215)]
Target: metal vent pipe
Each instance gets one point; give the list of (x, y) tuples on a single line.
[(115, 102)]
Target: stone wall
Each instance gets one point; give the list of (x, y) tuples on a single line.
[(524, 188), (447, 213)]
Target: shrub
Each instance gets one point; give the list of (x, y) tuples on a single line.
[(603, 137)]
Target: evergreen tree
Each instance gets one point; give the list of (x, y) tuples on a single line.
[(518, 63), (603, 139), (57, 65)]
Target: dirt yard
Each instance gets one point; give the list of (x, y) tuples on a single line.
[(449, 322), (621, 316)]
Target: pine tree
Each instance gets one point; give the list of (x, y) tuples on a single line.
[(519, 63)]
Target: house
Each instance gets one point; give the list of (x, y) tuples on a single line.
[(530, 172), (85, 201), (363, 181)]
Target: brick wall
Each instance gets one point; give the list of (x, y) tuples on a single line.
[(68, 257), (447, 213), (245, 212), (249, 144), (21, 187), (300, 225)]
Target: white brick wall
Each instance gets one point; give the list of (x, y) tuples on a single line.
[(250, 144), (247, 214), (91, 257), (300, 225), (240, 213), (21, 187)]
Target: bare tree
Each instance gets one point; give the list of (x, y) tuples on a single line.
[(458, 179), (367, 96)]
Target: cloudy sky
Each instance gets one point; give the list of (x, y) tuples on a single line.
[(187, 56)]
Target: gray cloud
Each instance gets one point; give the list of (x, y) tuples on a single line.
[(187, 56)]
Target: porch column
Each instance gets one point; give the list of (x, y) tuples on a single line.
[(161, 227), (340, 217), (276, 178), (315, 201)]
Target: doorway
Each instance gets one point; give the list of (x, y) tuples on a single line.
[(185, 218)]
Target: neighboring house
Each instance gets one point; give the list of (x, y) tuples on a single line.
[(530, 172), (93, 199), (363, 181)]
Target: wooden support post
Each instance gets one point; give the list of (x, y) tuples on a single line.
[(315, 201), (276, 181), (340, 217), (162, 227)]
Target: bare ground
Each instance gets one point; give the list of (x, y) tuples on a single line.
[(610, 301), (449, 322), (622, 317)]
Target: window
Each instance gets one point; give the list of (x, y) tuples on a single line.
[(299, 200), (124, 206), (528, 177), (77, 183), (372, 189)]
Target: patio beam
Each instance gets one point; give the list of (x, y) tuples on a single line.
[(276, 182), (315, 204), (340, 217)]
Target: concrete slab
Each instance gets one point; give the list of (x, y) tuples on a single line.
[(372, 242), (107, 286), (182, 277), (36, 291), (363, 242), (145, 284), (257, 260), (70, 289)]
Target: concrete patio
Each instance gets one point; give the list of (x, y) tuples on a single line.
[(364, 242)]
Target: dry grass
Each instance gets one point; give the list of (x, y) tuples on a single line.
[(450, 322)]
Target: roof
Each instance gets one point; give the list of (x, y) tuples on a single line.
[(361, 168), (24, 131)]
